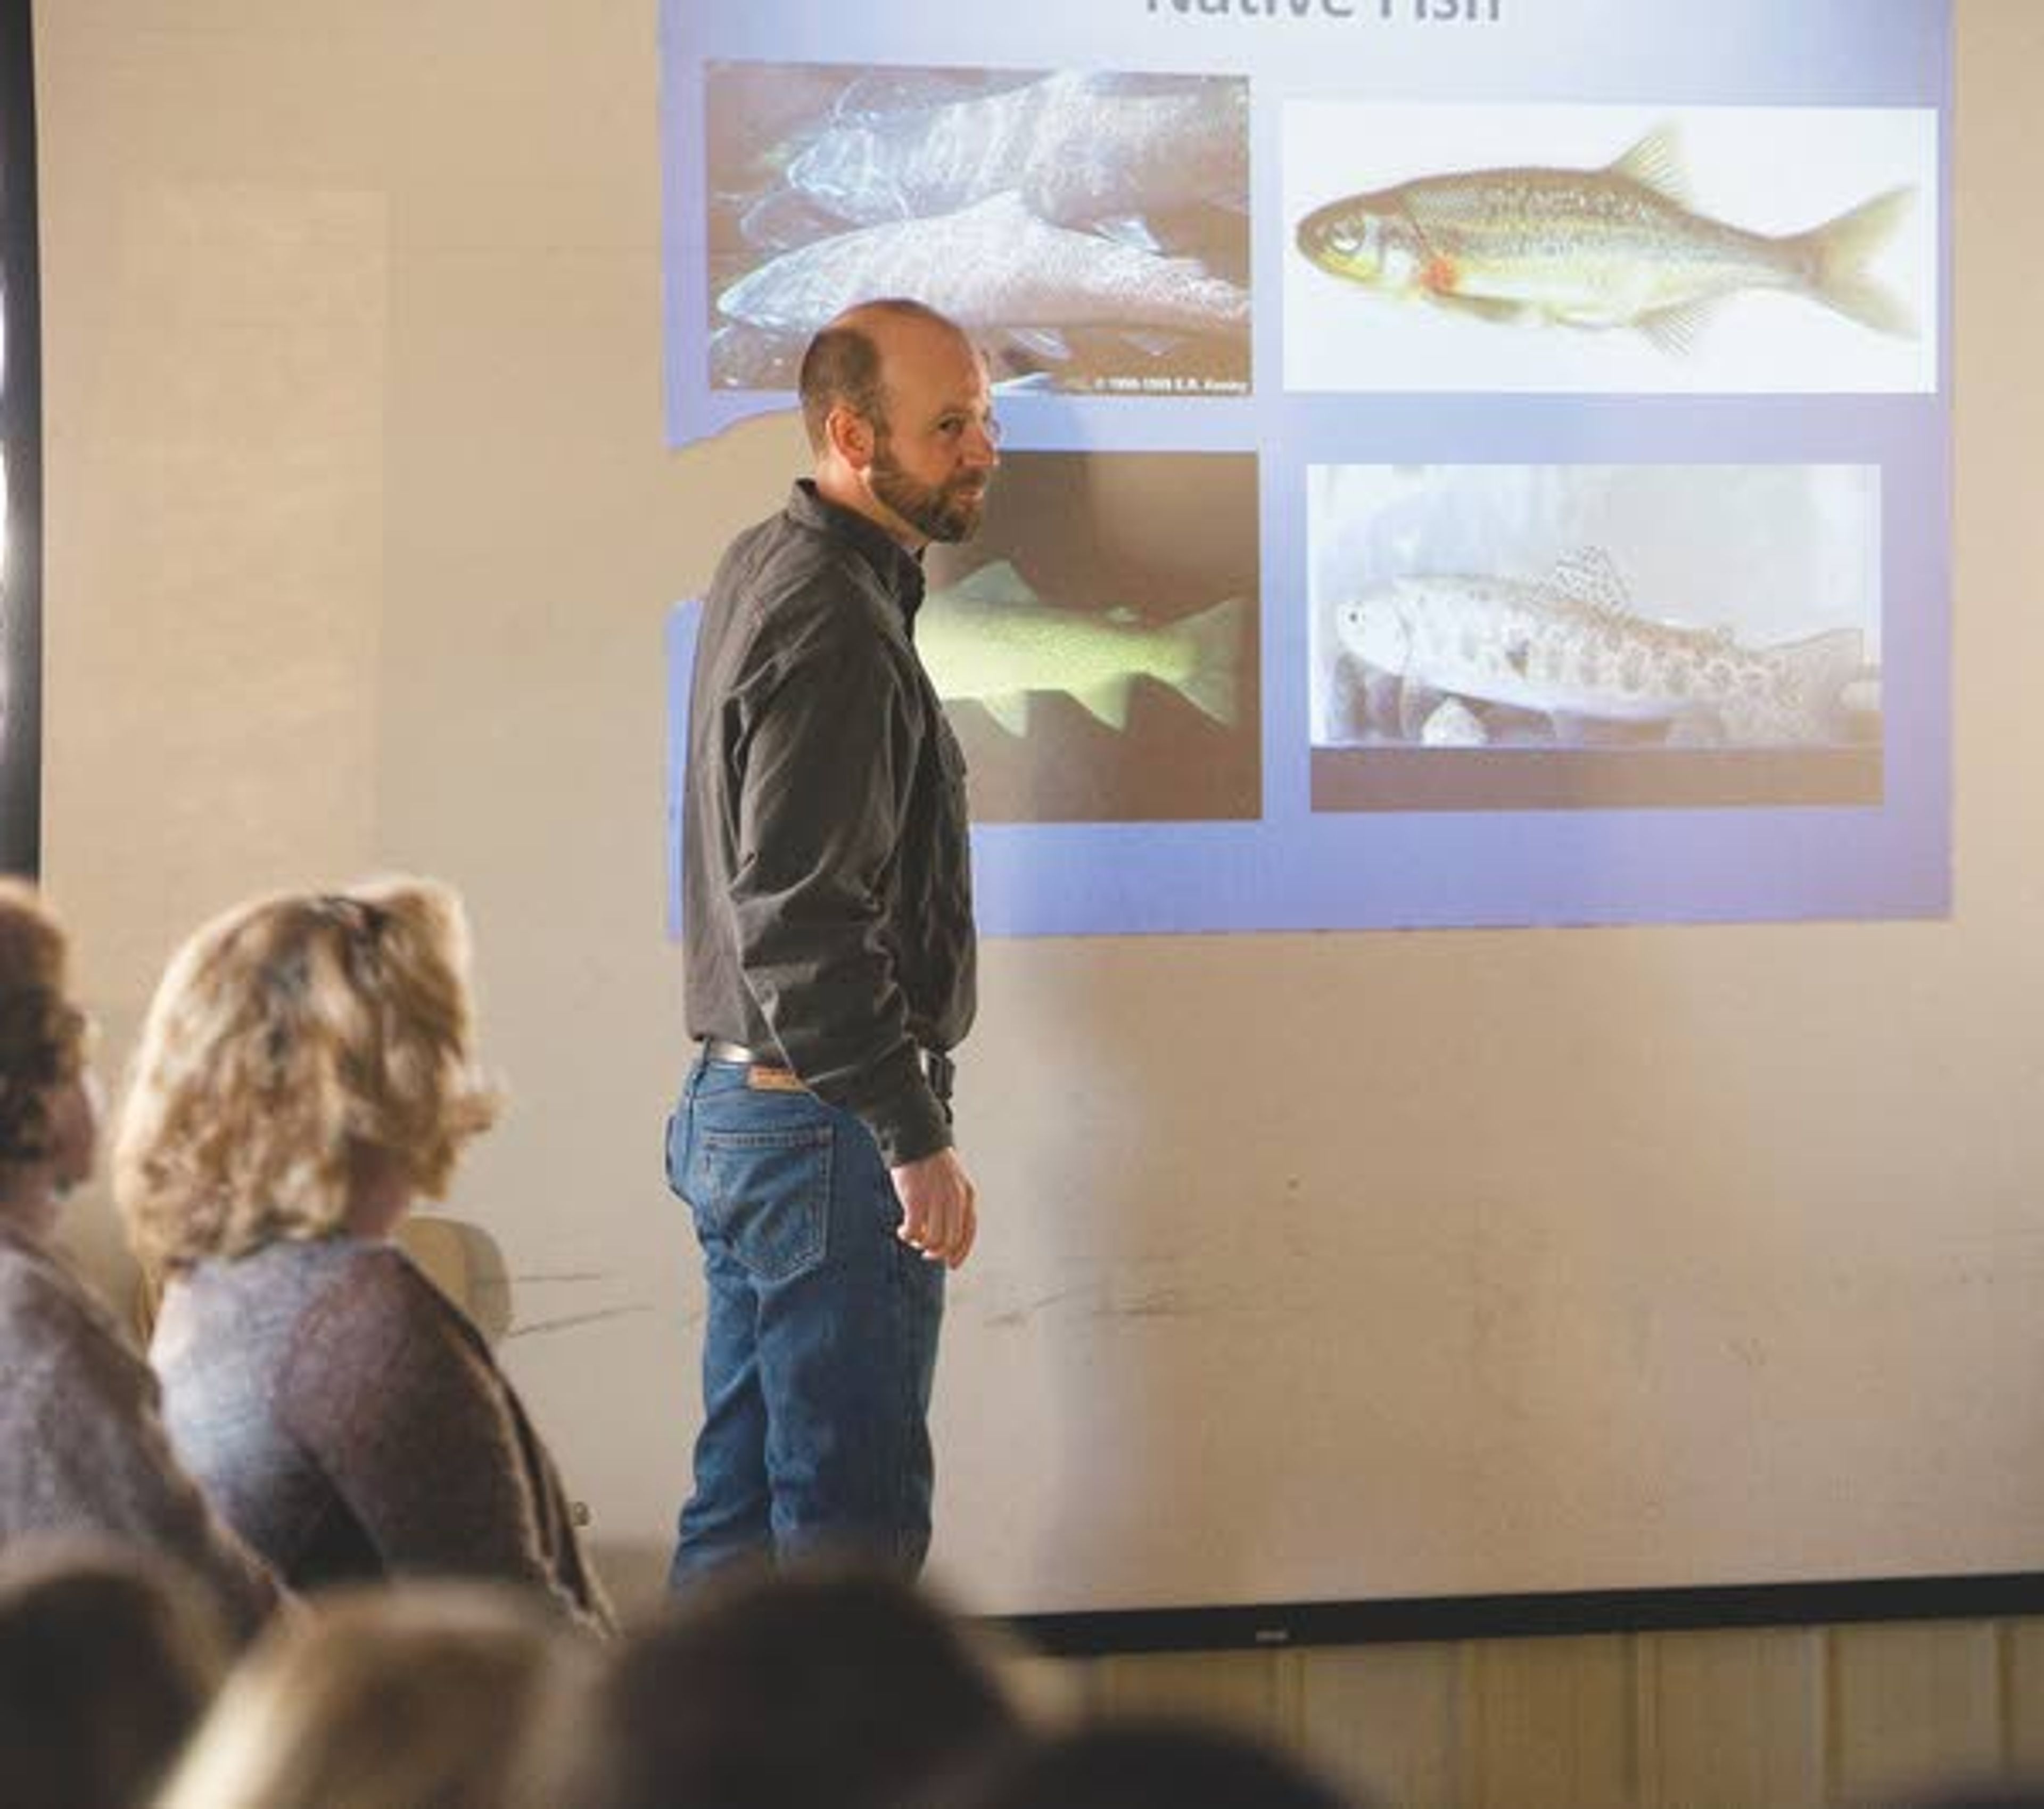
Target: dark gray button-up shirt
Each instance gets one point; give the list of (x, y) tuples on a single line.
[(827, 897)]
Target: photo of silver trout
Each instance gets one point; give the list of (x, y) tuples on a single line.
[(1468, 659), (991, 266), (1616, 247), (1090, 228), (1080, 147)]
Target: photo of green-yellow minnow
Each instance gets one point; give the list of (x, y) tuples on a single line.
[(989, 639), (1597, 248)]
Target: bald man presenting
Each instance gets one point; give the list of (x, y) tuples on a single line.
[(828, 908)]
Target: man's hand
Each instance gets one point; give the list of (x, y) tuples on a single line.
[(939, 1217)]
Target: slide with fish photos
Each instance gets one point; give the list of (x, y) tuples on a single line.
[(1471, 473)]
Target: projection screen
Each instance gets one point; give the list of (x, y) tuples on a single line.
[(1468, 463)]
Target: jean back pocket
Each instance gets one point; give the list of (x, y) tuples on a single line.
[(765, 1195)]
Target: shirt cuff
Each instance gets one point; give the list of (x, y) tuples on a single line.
[(909, 1126)]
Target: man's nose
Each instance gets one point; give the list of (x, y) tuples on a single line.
[(981, 448)]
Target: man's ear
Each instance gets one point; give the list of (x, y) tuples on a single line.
[(851, 436)]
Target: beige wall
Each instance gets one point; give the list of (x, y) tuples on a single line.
[(361, 530)]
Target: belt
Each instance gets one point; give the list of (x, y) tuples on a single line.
[(937, 1068)]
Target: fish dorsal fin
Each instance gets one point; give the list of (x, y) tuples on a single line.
[(999, 583), (1656, 163), (1589, 576)]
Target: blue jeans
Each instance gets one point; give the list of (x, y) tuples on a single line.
[(821, 1336)]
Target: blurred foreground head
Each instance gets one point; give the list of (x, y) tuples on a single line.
[(788, 1689), (450, 1695), (107, 1659), (1150, 1763)]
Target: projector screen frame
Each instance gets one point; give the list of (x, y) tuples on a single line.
[(21, 427), (1278, 1626)]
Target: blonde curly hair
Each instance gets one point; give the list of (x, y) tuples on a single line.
[(289, 1038), (42, 1034)]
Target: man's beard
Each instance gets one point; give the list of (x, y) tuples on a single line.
[(945, 512)]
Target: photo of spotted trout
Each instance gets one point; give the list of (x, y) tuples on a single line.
[(989, 639), (1615, 247), (1571, 647)]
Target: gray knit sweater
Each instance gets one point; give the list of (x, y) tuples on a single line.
[(83, 1450), (350, 1422)]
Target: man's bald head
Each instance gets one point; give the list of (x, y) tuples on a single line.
[(845, 366)]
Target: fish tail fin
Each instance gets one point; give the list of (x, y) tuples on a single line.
[(1840, 252), (1821, 671), (1213, 639)]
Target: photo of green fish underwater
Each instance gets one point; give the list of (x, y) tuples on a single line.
[(1091, 229), (1502, 637), (1096, 644), (1610, 248)]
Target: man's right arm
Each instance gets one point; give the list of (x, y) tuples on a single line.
[(824, 761)]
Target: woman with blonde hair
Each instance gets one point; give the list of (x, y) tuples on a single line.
[(304, 1073), (448, 1694), (83, 1449)]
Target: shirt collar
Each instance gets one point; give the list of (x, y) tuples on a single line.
[(897, 567)]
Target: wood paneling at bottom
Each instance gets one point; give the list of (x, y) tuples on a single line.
[(1385, 1722), (1798, 1717), (1550, 1724), (2023, 1697), (1912, 1706), (1255, 1690), (1732, 1720)]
